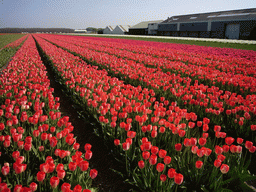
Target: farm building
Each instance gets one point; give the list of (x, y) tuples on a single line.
[(121, 29), (235, 24), (141, 28), (153, 27), (108, 30)]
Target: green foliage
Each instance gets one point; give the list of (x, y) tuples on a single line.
[(7, 53), (8, 38)]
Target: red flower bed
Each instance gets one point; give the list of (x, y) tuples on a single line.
[(171, 148), (218, 105), (37, 145)]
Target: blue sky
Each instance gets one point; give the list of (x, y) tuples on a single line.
[(80, 14)]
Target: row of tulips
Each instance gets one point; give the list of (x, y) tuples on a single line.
[(38, 150), (181, 52), (17, 42), (233, 112), (170, 147), (198, 68)]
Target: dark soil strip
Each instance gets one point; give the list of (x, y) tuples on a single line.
[(102, 159)]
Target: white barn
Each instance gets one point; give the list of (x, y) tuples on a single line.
[(108, 30), (121, 29)]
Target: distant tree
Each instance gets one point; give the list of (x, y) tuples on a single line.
[(100, 31), (92, 29)]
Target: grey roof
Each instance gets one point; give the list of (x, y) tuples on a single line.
[(216, 16), (111, 27), (144, 24), (124, 28)]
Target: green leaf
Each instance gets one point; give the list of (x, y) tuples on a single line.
[(119, 173)]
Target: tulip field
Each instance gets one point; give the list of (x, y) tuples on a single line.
[(176, 117)]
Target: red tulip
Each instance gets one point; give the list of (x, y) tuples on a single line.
[(154, 150), (72, 166), (141, 164), (27, 146), (17, 188), (178, 147), (193, 141), (83, 165), (147, 145), (162, 153), (163, 177), (54, 182), (153, 134), (145, 155), (3, 186), (2, 126), (217, 128), (116, 142), (44, 136), (153, 159), (178, 178), (248, 144), (199, 164), (207, 152), (221, 157), (60, 167), (217, 163), (171, 173), (181, 133), (5, 170), (126, 146), (239, 140), (224, 168), (229, 140), (65, 187), (88, 155), (252, 149), (44, 167), (33, 186), (160, 167), (218, 150), (202, 141), (131, 134), (62, 154), (15, 154), (191, 125), (239, 149), (7, 143), (87, 147), (40, 176), (61, 174), (93, 173), (20, 159)]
